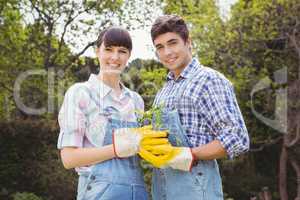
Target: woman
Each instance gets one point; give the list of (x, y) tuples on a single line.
[(98, 127)]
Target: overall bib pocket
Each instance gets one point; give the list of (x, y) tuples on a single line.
[(95, 189)]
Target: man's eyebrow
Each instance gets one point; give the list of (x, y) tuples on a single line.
[(172, 40), (169, 41)]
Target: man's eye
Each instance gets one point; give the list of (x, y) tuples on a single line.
[(108, 49)]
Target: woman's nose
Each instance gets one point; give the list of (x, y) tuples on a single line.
[(115, 56)]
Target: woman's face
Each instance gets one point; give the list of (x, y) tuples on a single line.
[(112, 59)]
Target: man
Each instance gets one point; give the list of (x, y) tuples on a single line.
[(207, 119)]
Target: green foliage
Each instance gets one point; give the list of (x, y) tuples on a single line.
[(30, 161), (152, 82), (152, 113), (146, 78), (25, 196)]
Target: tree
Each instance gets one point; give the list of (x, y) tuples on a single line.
[(268, 33)]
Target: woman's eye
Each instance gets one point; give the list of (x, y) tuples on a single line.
[(108, 49), (123, 51)]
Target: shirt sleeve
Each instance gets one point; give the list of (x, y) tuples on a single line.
[(71, 117), (223, 116)]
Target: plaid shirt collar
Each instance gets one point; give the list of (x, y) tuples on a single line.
[(187, 71)]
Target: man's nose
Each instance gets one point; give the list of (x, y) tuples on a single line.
[(167, 51)]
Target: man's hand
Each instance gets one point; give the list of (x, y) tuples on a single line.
[(166, 155)]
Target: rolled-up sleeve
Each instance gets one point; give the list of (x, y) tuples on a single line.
[(71, 117), (223, 116)]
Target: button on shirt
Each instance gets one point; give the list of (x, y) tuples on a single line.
[(207, 107), (85, 111)]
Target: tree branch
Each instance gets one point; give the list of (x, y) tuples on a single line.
[(44, 16), (75, 57), (266, 143), (70, 20), (295, 140), (6, 87)]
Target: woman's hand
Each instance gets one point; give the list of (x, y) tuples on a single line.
[(127, 141)]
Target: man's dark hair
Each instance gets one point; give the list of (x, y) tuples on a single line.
[(169, 23), (115, 36)]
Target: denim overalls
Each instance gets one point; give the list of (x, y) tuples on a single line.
[(116, 178), (203, 182)]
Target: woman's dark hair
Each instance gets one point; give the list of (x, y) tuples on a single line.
[(115, 36), (169, 23)]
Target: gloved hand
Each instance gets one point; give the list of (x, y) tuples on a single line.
[(166, 155), (157, 156), (126, 141)]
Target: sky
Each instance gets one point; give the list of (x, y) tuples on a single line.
[(142, 43)]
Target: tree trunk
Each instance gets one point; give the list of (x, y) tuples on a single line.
[(282, 172), (265, 194), (296, 167)]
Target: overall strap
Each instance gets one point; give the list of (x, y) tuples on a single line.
[(155, 102), (183, 89), (135, 106)]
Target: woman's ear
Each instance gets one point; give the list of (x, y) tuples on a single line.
[(97, 51)]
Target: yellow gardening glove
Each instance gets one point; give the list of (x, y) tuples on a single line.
[(157, 157), (126, 141), (162, 156)]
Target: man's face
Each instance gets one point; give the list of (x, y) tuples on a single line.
[(173, 52)]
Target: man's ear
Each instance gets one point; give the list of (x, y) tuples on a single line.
[(156, 54), (189, 43)]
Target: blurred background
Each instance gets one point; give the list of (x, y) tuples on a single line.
[(47, 45)]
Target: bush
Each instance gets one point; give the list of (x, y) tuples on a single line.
[(25, 196), (30, 161)]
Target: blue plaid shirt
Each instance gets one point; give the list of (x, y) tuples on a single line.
[(207, 108)]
